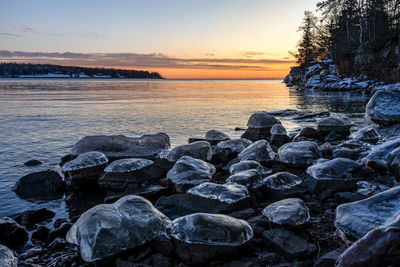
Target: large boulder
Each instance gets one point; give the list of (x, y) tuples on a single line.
[(200, 238), (215, 136), (288, 212), (259, 126), (7, 258), (279, 186), (120, 146), (188, 172), (108, 229), (40, 185), (340, 126), (125, 174), (12, 234), (279, 135), (393, 162), (367, 134), (307, 134), (338, 175), (227, 150), (299, 154), (358, 218), (384, 107), (247, 178), (245, 165), (85, 170), (198, 150), (260, 151), (380, 152)]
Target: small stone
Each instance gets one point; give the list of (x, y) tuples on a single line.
[(215, 136), (260, 151), (41, 233), (299, 154), (367, 134), (33, 162), (279, 186), (287, 212), (31, 217)]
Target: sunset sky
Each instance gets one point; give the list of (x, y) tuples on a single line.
[(178, 38)]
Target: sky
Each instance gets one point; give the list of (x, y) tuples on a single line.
[(228, 39)]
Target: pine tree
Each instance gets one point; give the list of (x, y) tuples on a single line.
[(307, 50)]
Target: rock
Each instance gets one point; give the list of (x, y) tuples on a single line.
[(246, 178), (384, 107), (33, 162), (12, 234), (246, 165), (200, 238), (329, 259), (278, 129), (41, 233), (285, 242), (306, 134), (40, 185), (259, 126), (59, 232), (358, 218), (123, 174), (299, 154), (393, 163), (367, 134), (259, 151), (380, 152), (345, 152), (160, 260), (198, 150), (340, 126), (288, 212), (279, 135), (215, 136), (31, 217), (85, 170), (227, 150), (367, 189), (120, 146), (7, 258), (108, 229), (188, 172), (279, 186)]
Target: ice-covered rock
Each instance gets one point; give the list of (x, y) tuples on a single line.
[(7, 258), (245, 165), (289, 212), (367, 134), (368, 188), (380, 152), (229, 193), (198, 150), (247, 178), (384, 107), (259, 126), (85, 170), (340, 126), (279, 135), (278, 129), (188, 172), (393, 162), (120, 146), (279, 186), (200, 238), (260, 151), (338, 174), (227, 150), (122, 174), (108, 229), (215, 136), (307, 134), (299, 154), (315, 82)]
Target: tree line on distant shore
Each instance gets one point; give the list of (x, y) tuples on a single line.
[(15, 70)]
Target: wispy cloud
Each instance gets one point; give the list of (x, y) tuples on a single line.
[(252, 53), (22, 31)]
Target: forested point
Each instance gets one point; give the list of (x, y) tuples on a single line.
[(20, 70), (360, 36)]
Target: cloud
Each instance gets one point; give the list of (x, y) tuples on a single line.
[(135, 60), (22, 31), (252, 53)]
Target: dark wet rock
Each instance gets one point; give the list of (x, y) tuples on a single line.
[(58, 244), (367, 134), (40, 185), (337, 175), (345, 152), (30, 253), (358, 218), (108, 229), (259, 126), (242, 214), (287, 212), (227, 150), (279, 135), (215, 136), (160, 260), (7, 258), (12, 234), (188, 172), (59, 232), (346, 197), (120, 146), (279, 186), (340, 126), (299, 154), (198, 150), (329, 259), (59, 221), (393, 163), (85, 170), (384, 107), (122, 174), (200, 238), (33, 162), (260, 151), (246, 165), (306, 134), (326, 150), (41, 233), (246, 178), (380, 152), (285, 242), (31, 217), (368, 188)]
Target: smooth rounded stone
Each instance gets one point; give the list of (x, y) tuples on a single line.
[(345, 152), (247, 178), (12, 234), (227, 150), (307, 134), (260, 151), (229, 193), (358, 218), (188, 172), (201, 237), (7, 258), (279, 186), (33, 162), (123, 173), (393, 162), (40, 185), (259, 126), (340, 126), (384, 107), (120, 146), (278, 129), (215, 136), (338, 175), (367, 134), (380, 152), (246, 165), (287, 212), (108, 229), (279, 136), (85, 170), (299, 154), (198, 150)]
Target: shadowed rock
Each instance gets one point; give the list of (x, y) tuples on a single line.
[(367, 134), (198, 150), (247, 178), (279, 135), (380, 152), (246, 165), (225, 151), (393, 162), (215, 136), (384, 107), (259, 126), (12, 234), (340, 126)]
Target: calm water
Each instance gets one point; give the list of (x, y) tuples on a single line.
[(42, 119)]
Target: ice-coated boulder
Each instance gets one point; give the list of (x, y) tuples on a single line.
[(246, 165), (85, 170), (200, 238), (215, 136), (289, 212), (340, 126), (108, 229), (198, 150), (260, 151), (307, 134), (393, 162), (12, 234), (279, 135), (367, 134), (259, 126), (358, 218), (229, 193), (227, 150), (120, 146), (247, 178), (380, 152), (299, 154), (7, 258), (384, 107), (188, 172), (279, 186), (338, 174)]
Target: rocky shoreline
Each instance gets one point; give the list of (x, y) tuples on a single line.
[(324, 196)]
